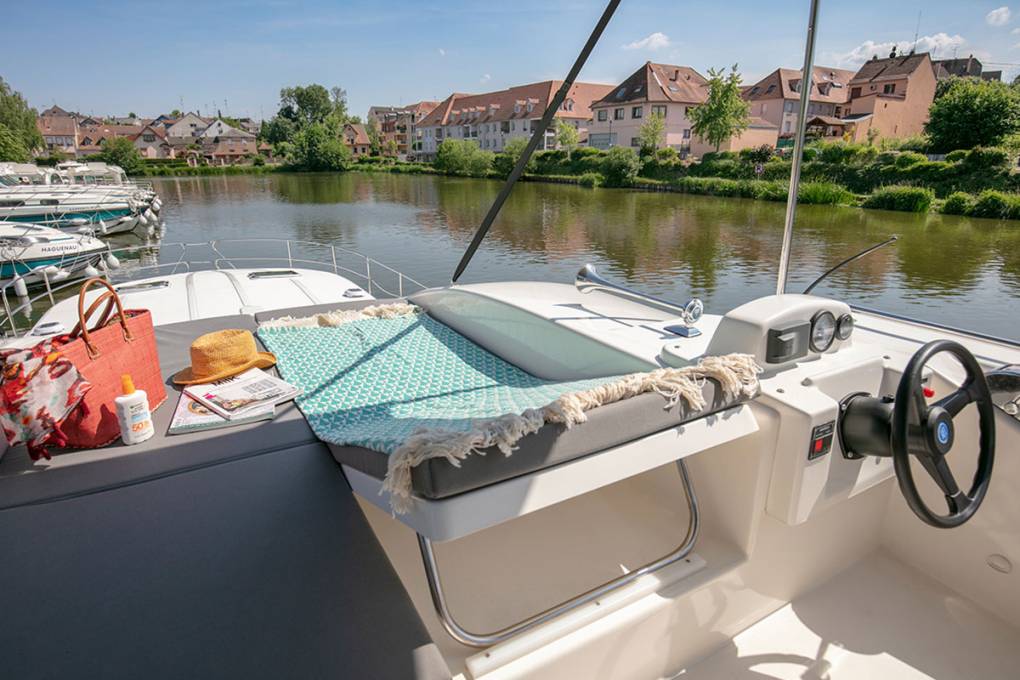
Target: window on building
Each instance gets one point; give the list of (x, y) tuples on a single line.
[(603, 115), (687, 133), (855, 92), (787, 126), (149, 138), (637, 111), (659, 110), (635, 141), (524, 125), (789, 106), (889, 88), (618, 114)]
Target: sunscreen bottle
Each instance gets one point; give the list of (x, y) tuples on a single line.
[(133, 413)]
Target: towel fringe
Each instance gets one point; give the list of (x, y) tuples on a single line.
[(339, 317)]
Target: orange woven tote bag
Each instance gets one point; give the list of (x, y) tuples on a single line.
[(113, 347)]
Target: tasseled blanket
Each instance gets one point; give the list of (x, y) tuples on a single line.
[(392, 379)]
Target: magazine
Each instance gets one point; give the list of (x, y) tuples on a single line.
[(238, 396), (191, 416)]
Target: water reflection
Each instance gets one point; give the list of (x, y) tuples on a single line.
[(724, 250)]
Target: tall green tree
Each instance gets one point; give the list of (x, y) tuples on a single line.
[(374, 136), (462, 157), (305, 105), (567, 136), (121, 151), (724, 114), (19, 118), (504, 162), (973, 113), (11, 148), (651, 133)]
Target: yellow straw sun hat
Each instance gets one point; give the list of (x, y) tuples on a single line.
[(219, 355)]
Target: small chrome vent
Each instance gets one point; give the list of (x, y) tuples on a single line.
[(272, 274)]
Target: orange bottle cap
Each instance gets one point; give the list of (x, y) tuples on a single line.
[(127, 386)]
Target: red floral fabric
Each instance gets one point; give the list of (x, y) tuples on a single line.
[(39, 387)]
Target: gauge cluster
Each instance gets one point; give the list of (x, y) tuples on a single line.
[(780, 329)]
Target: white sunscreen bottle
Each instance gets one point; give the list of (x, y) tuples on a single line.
[(133, 413)]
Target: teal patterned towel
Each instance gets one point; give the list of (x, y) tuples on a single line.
[(374, 382), (394, 380)]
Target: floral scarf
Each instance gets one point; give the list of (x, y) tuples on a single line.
[(39, 387)]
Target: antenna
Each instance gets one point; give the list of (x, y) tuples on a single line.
[(917, 31)]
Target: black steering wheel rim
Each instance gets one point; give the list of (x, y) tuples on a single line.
[(926, 432)]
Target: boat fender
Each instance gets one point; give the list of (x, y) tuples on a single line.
[(90, 271), (20, 287), (111, 261), (102, 227)]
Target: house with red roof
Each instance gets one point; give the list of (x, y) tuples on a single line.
[(669, 91), (399, 124), (494, 118)]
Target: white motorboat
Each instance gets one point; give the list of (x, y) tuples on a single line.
[(34, 254), (850, 512)]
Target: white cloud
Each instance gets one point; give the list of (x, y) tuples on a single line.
[(940, 45), (655, 41), (442, 52), (484, 79), (1015, 31), (998, 17)]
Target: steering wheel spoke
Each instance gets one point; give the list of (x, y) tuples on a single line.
[(956, 401), (938, 469)]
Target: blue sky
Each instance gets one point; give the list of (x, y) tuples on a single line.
[(114, 57)]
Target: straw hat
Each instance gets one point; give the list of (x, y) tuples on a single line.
[(219, 355)]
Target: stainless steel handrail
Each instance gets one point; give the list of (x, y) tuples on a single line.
[(334, 260), (466, 637)]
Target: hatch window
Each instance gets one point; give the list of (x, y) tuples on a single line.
[(272, 274)]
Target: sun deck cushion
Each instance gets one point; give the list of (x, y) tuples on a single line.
[(607, 426), (70, 473), (371, 384)]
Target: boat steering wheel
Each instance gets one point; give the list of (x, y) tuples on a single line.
[(927, 432)]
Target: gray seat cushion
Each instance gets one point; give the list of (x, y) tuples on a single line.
[(607, 426), (70, 473)]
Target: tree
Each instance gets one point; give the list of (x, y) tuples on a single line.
[(18, 118), (121, 151), (462, 157), (621, 166), (317, 148), (278, 129), (391, 148), (11, 148), (724, 113), (973, 113), (339, 97), (132, 114), (504, 162), (566, 136), (305, 105), (651, 132), (374, 136), (176, 113)]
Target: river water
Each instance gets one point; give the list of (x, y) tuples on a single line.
[(956, 271)]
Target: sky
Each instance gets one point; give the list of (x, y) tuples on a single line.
[(112, 58)]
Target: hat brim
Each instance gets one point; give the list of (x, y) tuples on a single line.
[(187, 377)]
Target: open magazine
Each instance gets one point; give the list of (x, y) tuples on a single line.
[(192, 416), (241, 395)]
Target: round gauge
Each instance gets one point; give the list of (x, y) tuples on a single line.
[(844, 327), (823, 331)]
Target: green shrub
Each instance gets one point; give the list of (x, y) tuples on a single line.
[(958, 203), (504, 162), (464, 158), (987, 158), (843, 152), (956, 156), (908, 158), (620, 166), (996, 204), (906, 199), (823, 193), (719, 156), (591, 180), (667, 155)]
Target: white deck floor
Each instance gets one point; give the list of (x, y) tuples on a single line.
[(879, 619)]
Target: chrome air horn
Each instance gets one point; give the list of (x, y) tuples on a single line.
[(588, 279)]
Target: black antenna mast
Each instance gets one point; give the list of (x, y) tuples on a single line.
[(537, 136)]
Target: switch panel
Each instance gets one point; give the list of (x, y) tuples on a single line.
[(821, 440)]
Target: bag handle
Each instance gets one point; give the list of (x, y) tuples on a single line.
[(111, 298)]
